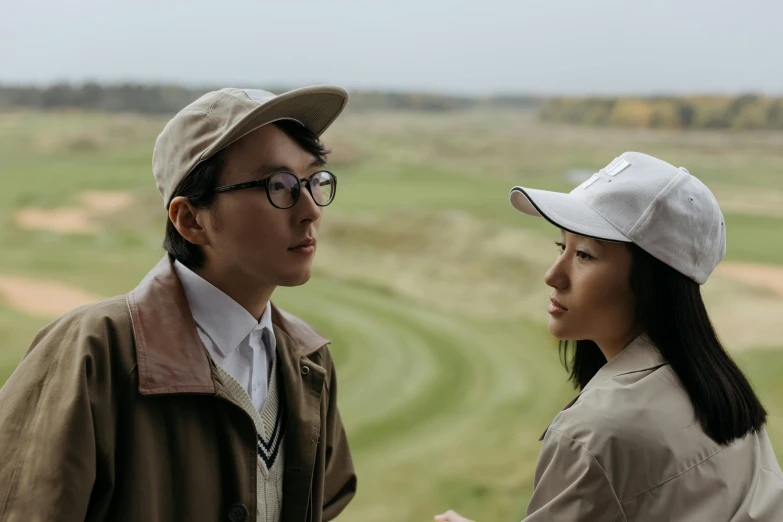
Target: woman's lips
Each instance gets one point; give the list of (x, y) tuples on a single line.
[(556, 307)]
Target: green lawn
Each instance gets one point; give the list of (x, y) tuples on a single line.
[(428, 282)]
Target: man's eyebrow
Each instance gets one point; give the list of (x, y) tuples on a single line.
[(267, 170)]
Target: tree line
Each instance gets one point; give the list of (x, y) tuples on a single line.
[(166, 99), (672, 112), (695, 112)]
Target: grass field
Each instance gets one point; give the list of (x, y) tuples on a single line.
[(426, 279)]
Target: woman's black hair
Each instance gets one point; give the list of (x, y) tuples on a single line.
[(671, 312), (198, 187)]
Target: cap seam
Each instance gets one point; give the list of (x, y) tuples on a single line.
[(607, 219), (649, 209), (205, 113), (202, 111), (703, 256), (217, 98), (211, 119)]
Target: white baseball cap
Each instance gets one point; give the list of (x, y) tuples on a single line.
[(642, 200)]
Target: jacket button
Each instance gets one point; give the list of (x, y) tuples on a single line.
[(305, 370), (238, 513)]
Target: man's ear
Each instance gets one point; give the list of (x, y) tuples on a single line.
[(188, 220)]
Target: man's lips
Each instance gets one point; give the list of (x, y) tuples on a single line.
[(305, 245)]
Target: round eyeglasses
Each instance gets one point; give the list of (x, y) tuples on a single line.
[(283, 188)]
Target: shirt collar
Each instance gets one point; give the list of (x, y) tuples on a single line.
[(221, 318)]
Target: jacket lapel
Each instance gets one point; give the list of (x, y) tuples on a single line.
[(168, 349), (171, 358)]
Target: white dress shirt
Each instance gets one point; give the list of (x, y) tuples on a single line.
[(238, 343)]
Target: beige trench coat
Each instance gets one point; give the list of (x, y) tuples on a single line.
[(628, 448)]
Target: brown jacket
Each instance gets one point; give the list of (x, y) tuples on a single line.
[(116, 412)]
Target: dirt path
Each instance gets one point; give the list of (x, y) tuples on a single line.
[(42, 298), (83, 219), (764, 276), (746, 305)]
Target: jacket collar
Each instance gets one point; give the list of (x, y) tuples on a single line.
[(640, 355), (171, 358)]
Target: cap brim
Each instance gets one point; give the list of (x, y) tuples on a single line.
[(314, 107), (565, 211)]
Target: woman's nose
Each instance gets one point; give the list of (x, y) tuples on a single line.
[(556, 276)]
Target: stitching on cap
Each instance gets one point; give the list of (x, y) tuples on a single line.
[(203, 112), (617, 228), (704, 249), (648, 210), (212, 105)]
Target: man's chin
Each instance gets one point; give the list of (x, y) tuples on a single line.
[(292, 280)]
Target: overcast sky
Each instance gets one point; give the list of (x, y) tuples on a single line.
[(542, 47)]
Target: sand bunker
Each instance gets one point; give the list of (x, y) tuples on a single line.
[(746, 305), (82, 219), (43, 298), (769, 277), (68, 220), (104, 202)]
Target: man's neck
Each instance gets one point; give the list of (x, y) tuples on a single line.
[(251, 295)]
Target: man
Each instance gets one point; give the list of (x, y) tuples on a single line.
[(193, 397)]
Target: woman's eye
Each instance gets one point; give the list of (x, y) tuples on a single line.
[(583, 255), (560, 246)]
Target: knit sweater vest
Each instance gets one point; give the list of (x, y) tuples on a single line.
[(270, 429)]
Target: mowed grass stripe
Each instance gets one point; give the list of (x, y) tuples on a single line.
[(384, 403)]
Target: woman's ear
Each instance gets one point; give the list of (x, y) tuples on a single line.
[(189, 220)]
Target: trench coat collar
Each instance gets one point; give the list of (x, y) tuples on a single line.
[(170, 355)]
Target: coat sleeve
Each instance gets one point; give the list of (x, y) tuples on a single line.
[(571, 485), (57, 418), (340, 477)]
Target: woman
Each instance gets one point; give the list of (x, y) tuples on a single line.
[(665, 427)]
